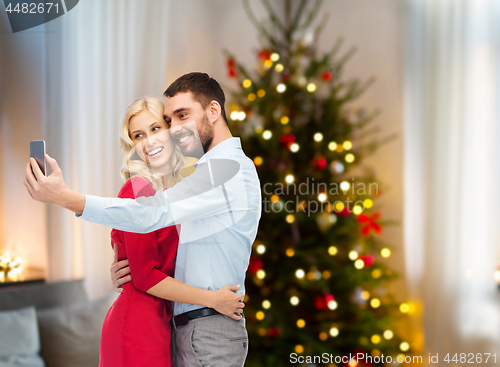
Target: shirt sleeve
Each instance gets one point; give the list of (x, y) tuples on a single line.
[(142, 249), (214, 188)]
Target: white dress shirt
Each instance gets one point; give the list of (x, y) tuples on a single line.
[(218, 207)]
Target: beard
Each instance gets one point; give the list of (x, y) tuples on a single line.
[(205, 134)]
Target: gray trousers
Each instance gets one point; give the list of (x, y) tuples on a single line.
[(211, 341)]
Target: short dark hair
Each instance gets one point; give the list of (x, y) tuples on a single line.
[(204, 89)]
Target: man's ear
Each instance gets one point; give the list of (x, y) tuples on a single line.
[(214, 111)]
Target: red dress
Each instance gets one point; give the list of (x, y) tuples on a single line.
[(136, 331)]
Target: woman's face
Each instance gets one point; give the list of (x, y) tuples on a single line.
[(152, 140)]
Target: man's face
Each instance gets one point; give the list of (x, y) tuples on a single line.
[(189, 125)]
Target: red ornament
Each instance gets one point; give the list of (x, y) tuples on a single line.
[(344, 212), (321, 301), (264, 54), (368, 260), (370, 224), (254, 265), (326, 76), (285, 75), (319, 163), (273, 332), (231, 68), (287, 140)]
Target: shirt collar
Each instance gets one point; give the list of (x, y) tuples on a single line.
[(223, 148)]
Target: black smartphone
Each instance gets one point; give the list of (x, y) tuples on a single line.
[(37, 151)]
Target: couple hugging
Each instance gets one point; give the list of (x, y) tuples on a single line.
[(200, 227)]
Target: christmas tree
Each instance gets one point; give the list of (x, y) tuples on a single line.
[(316, 282)]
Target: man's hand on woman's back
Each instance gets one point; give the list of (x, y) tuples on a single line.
[(120, 272)]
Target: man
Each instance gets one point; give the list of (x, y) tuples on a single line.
[(218, 207)]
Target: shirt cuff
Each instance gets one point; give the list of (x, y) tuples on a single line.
[(93, 206)]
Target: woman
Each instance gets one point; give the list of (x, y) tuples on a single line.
[(136, 331)]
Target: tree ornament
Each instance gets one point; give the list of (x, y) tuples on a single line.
[(337, 167), (319, 163), (325, 220), (345, 212), (321, 302), (287, 140), (231, 68), (329, 298), (301, 81), (265, 54), (305, 38), (369, 224), (273, 332), (326, 76), (357, 297), (369, 260), (254, 265)]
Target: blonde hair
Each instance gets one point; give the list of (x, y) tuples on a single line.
[(133, 166)]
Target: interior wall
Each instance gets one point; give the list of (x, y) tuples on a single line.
[(198, 40), (23, 221)]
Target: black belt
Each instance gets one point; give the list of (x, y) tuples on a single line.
[(183, 318)]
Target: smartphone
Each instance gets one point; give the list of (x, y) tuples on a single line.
[(37, 151)]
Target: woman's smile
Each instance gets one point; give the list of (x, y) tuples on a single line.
[(155, 152)]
